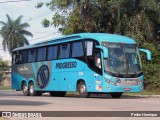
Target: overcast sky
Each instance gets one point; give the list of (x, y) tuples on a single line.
[(31, 15)]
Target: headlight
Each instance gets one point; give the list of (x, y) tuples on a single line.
[(140, 82), (110, 82)]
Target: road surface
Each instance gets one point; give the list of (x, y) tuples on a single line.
[(15, 101)]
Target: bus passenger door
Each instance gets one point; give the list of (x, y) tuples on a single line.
[(98, 70)]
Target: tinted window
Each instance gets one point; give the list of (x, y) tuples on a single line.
[(77, 49), (41, 54), (23, 56), (52, 52), (64, 51), (89, 47), (16, 57), (31, 55)]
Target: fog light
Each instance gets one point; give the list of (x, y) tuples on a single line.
[(140, 82)]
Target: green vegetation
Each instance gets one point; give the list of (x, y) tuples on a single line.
[(138, 19), (3, 67), (5, 87), (14, 33), (156, 92)]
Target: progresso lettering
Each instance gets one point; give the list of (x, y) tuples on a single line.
[(66, 65)]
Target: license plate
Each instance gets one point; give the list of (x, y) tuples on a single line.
[(127, 89)]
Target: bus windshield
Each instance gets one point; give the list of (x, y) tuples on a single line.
[(123, 59)]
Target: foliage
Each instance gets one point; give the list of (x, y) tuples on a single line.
[(14, 33), (45, 22), (152, 68), (138, 19), (40, 4), (3, 67)]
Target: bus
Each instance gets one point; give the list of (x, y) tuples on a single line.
[(87, 63)]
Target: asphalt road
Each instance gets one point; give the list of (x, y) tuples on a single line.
[(15, 101)]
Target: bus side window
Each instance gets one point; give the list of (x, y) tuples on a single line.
[(32, 55), (52, 52), (41, 54), (77, 49), (14, 58), (17, 60), (64, 51), (23, 56), (89, 53), (89, 47)]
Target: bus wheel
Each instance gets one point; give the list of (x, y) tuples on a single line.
[(116, 94), (82, 90), (25, 89), (32, 91)]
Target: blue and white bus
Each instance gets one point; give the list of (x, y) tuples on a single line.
[(90, 63)]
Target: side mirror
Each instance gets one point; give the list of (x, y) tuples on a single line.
[(105, 51), (147, 52)]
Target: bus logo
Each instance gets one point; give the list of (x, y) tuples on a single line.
[(43, 76)]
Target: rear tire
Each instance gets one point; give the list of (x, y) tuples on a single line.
[(25, 89), (116, 94), (32, 91), (82, 90)]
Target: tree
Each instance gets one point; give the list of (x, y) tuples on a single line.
[(14, 33), (74, 16), (138, 19), (3, 67)]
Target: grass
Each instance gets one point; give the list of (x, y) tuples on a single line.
[(4, 118), (153, 92), (5, 87)]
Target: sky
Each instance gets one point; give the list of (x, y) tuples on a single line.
[(31, 15)]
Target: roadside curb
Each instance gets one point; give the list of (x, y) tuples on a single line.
[(146, 96)]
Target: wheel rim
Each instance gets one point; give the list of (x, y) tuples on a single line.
[(32, 89), (82, 89), (25, 89)]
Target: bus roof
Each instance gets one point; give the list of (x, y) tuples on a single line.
[(100, 37)]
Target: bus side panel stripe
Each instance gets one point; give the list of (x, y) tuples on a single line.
[(39, 64), (34, 69), (45, 62)]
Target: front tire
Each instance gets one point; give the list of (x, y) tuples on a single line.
[(25, 89), (116, 94), (82, 90)]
